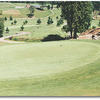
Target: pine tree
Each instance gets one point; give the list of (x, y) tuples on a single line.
[(38, 21), (22, 28), (5, 18), (11, 18), (7, 30), (1, 26), (78, 15)]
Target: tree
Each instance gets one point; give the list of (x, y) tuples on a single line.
[(15, 21), (57, 17), (59, 22), (38, 21), (26, 21), (12, 23), (1, 26), (78, 16), (50, 21), (5, 18), (7, 30), (93, 27), (11, 18), (31, 9), (99, 23), (48, 7), (22, 28)]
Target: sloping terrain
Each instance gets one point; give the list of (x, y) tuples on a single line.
[(50, 69)]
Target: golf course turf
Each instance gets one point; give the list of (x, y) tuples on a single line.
[(61, 68), (30, 67)]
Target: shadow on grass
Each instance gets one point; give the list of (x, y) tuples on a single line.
[(54, 38)]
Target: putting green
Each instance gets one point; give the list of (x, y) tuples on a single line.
[(34, 59)]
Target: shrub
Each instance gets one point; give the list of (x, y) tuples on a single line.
[(99, 23), (50, 21), (11, 18), (5, 18), (22, 28), (7, 30), (15, 21), (38, 21), (93, 27)]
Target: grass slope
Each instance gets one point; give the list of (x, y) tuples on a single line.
[(65, 68)]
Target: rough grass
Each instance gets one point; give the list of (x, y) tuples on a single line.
[(60, 71)]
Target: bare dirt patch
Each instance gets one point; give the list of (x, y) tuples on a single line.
[(88, 34)]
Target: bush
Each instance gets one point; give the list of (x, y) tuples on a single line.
[(50, 21), (12, 23), (7, 30), (38, 21), (93, 27), (57, 17), (48, 7), (22, 28), (5, 18), (59, 22), (15, 21), (99, 23), (11, 18)]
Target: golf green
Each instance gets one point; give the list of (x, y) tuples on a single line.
[(36, 59)]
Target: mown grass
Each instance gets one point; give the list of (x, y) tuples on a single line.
[(60, 71)]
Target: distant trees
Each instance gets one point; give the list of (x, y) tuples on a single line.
[(59, 22), (12, 23), (5, 18), (25, 22), (78, 16), (31, 9), (11, 18), (48, 7), (50, 21), (99, 23), (1, 26), (22, 28), (7, 30), (15, 22), (38, 21)]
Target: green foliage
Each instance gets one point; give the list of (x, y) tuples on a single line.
[(11, 18), (50, 21), (78, 16), (1, 26), (93, 27), (22, 28), (25, 22), (48, 7), (65, 28), (15, 21), (7, 30), (96, 5), (59, 22), (57, 17), (99, 23), (5, 18), (38, 21), (12, 23)]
